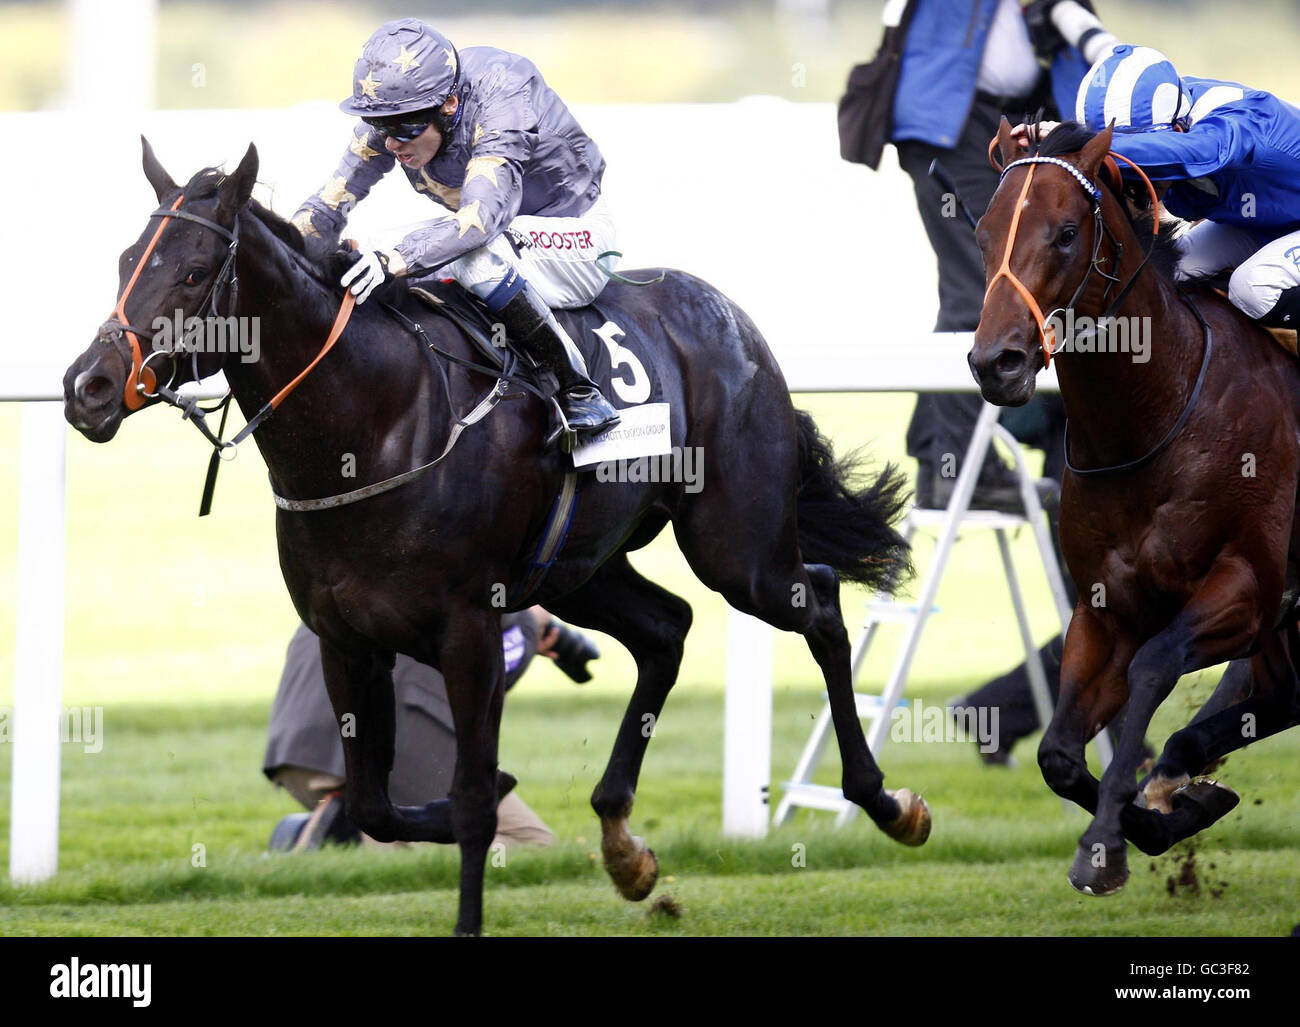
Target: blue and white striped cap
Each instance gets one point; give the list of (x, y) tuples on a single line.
[(1136, 87)]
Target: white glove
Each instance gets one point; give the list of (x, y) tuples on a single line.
[(366, 275)]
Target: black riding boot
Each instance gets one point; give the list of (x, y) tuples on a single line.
[(1285, 312), (533, 326)]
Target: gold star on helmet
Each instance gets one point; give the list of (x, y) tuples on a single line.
[(368, 85), (447, 195), (483, 167), (450, 61), (467, 217), (303, 222), (336, 193), (406, 60), (361, 149)]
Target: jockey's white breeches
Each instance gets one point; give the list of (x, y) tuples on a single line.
[(1262, 273), (560, 258)]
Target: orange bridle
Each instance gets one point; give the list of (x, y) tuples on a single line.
[(134, 395), (1047, 331), (141, 382)]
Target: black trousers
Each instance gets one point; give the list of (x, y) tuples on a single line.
[(942, 423), (1043, 428)]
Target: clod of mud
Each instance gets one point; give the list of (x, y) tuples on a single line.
[(665, 906)]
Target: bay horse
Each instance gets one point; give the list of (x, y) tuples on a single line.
[(422, 569), (1178, 511)]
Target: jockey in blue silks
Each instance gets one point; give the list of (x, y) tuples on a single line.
[(480, 133), (1232, 157)]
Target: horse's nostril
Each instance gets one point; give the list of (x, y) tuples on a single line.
[(1009, 361), (92, 389)]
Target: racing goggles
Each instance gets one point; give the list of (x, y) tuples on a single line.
[(395, 128)]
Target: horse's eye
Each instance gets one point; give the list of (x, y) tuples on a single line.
[(1068, 234), (194, 277)]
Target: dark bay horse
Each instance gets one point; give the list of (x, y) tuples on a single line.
[(421, 569), (1178, 515)]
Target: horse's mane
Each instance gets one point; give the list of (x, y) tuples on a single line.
[(1070, 137), (204, 183)]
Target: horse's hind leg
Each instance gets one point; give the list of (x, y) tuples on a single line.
[(1185, 754), (758, 571), (902, 815), (1255, 699), (652, 624)]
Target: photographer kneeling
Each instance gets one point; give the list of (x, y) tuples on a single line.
[(304, 754)]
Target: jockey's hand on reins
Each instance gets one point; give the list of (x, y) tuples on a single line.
[(365, 272), (1021, 132)]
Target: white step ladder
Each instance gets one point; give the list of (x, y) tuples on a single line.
[(801, 791)]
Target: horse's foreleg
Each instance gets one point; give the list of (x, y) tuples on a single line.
[(474, 669), (652, 624), (360, 686), (1219, 621), (1093, 691)]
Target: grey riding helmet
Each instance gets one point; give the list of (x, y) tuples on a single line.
[(406, 66)]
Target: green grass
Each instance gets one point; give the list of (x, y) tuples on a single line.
[(173, 777), (177, 628)]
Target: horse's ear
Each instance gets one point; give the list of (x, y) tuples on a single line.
[(1095, 151), (237, 187), (158, 178), (1007, 145)]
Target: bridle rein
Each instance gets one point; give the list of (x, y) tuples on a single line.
[(141, 381), (142, 384)]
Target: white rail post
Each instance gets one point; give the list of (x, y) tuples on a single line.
[(38, 682), (747, 734)]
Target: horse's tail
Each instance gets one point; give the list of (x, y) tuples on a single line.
[(845, 523)]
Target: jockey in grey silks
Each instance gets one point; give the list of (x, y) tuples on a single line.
[(480, 133)]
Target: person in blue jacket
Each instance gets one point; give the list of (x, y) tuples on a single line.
[(1230, 156), (964, 65)]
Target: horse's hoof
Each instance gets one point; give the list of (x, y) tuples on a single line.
[(912, 825), (1155, 796), (1209, 799), (634, 872), (1099, 873)]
